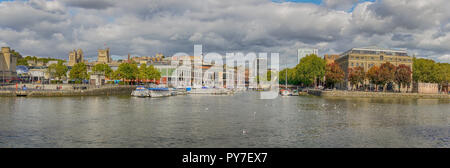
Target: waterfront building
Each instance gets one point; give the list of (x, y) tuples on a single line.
[(103, 56), (259, 69), (240, 77), (329, 58), (367, 57), (7, 64), (158, 58), (213, 76), (229, 77), (303, 52), (75, 57), (97, 79), (167, 71), (38, 74)]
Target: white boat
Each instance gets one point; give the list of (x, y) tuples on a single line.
[(141, 91), (286, 93), (159, 92)]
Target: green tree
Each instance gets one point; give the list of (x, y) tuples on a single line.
[(22, 62), (425, 70), (58, 70), (356, 76), (403, 76), (333, 75), (78, 72), (269, 75), (443, 76), (128, 71), (154, 73), (291, 79), (310, 69), (103, 69)]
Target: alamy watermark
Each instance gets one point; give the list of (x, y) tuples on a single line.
[(232, 71)]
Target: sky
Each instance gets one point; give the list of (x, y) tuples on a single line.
[(52, 28)]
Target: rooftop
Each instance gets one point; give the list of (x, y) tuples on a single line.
[(376, 48)]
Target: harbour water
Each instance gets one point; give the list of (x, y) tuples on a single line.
[(240, 120)]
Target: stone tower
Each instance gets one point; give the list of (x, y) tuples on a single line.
[(103, 56), (75, 56), (7, 63)]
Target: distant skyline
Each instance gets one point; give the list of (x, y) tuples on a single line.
[(143, 28)]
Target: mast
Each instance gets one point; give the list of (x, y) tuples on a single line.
[(285, 81)]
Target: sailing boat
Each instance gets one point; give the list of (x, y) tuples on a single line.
[(286, 92)]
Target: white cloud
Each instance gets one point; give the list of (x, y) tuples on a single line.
[(444, 58), (142, 27)]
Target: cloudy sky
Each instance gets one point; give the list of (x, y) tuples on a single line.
[(145, 27)]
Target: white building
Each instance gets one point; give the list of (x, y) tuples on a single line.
[(302, 52)]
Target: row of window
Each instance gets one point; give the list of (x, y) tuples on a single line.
[(361, 64), (378, 52), (381, 58)]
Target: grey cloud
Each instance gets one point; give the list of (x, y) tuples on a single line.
[(141, 27), (90, 4), (339, 4)]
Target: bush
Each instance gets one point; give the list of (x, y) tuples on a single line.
[(56, 82)]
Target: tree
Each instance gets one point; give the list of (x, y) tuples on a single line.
[(154, 73), (149, 72), (386, 74), (269, 75), (356, 76), (103, 69), (425, 70), (443, 76), (333, 74), (22, 62), (58, 70), (128, 71), (374, 76), (403, 76), (78, 72), (310, 69)]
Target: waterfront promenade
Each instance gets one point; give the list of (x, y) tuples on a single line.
[(362, 94), (34, 90)]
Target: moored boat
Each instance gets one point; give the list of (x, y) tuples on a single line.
[(141, 91), (285, 93), (159, 92)]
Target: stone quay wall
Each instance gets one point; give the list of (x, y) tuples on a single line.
[(359, 94), (93, 91)]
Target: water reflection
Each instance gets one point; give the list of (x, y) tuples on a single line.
[(223, 121)]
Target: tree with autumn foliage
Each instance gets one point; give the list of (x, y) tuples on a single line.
[(333, 75), (356, 76), (386, 74), (403, 76), (374, 76)]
